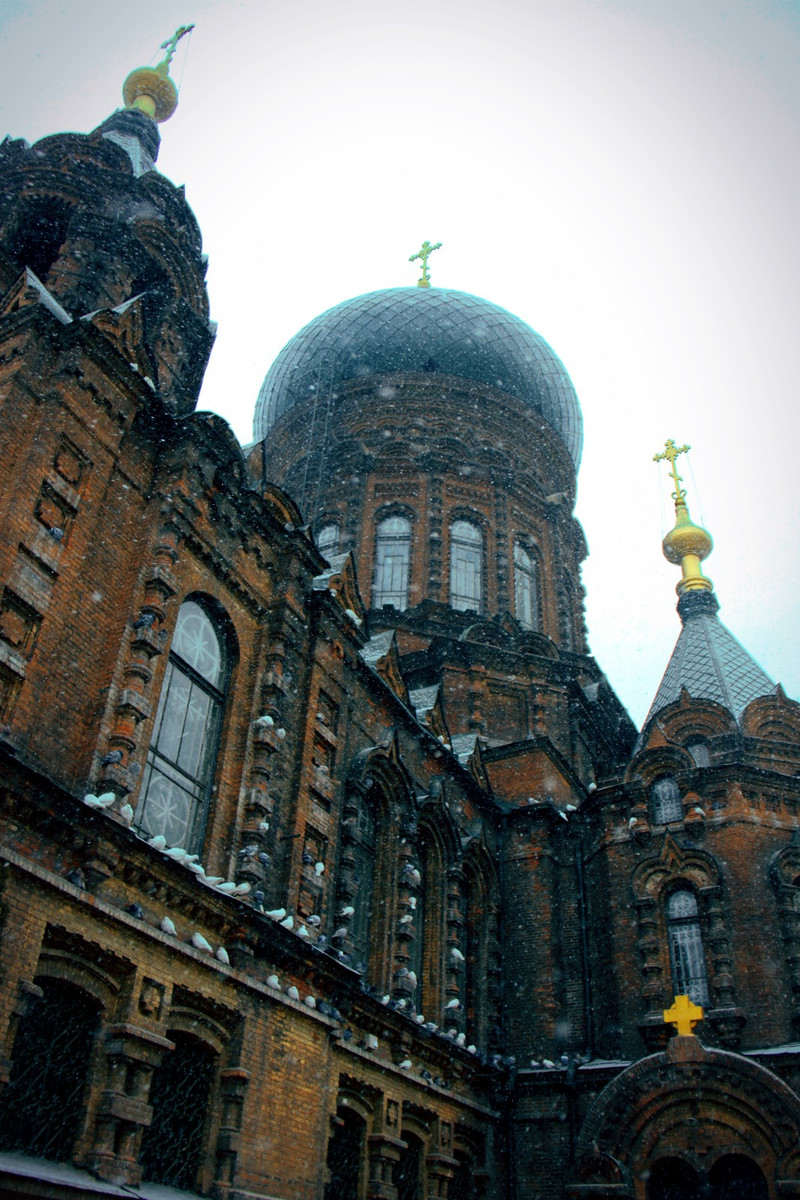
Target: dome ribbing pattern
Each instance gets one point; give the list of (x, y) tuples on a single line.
[(432, 330)]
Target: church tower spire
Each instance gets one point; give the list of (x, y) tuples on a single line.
[(687, 544), (707, 662)]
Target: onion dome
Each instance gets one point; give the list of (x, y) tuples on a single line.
[(431, 330)]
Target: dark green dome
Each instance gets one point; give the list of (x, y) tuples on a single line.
[(422, 329)]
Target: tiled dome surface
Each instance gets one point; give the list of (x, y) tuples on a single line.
[(422, 329), (709, 662)]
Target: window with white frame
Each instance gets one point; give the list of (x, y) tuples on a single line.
[(665, 797), (466, 566), (392, 560), (182, 756), (526, 588), (328, 540)]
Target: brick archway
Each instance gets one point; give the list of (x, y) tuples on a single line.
[(695, 1105)]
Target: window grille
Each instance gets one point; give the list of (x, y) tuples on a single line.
[(686, 947), (526, 588), (345, 1159), (172, 1144), (466, 566), (408, 1169), (42, 1105), (665, 796), (392, 559), (182, 756)]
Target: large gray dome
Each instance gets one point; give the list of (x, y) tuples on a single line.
[(422, 329)]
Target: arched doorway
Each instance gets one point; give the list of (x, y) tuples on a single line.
[(736, 1177), (673, 1179)]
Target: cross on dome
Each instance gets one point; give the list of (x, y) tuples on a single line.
[(424, 253)]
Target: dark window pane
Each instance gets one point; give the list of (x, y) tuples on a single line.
[(172, 1145), (346, 1157), (41, 1109)]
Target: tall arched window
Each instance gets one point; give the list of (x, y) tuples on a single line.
[(392, 558), (180, 763), (526, 588), (364, 875), (408, 1171), (42, 1104), (345, 1158), (416, 947), (688, 963), (328, 540), (665, 797), (172, 1145), (466, 566)]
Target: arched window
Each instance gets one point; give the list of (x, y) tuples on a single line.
[(172, 1145), (466, 566), (407, 1173), (328, 540), (41, 232), (700, 752), (665, 797), (526, 588), (182, 756), (416, 947), (686, 947), (736, 1177), (42, 1104), (363, 877), (473, 948), (392, 558), (345, 1159)]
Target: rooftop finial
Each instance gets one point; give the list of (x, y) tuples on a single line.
[(150, 89), (424, 253), (687, 544)]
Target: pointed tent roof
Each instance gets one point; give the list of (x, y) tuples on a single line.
[(709, 662)]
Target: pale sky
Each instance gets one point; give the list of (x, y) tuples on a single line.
[(623, 176)]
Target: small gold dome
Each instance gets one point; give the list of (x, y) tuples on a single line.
[(151, 91), (686, 538)]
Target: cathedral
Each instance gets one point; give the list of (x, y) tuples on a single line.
[(331, 866)]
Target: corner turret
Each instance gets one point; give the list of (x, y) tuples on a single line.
[(102, 231)]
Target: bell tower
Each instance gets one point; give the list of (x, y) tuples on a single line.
[(88, 219)]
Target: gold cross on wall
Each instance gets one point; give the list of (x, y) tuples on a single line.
[(671, 452), (427, 249), (684, 1015)]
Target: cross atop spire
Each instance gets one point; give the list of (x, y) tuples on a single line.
[(171, 44), (150, 89), (424, 253), (671, 452)]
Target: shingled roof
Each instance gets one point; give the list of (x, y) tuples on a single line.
[(709, 662)]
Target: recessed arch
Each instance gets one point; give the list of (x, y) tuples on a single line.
[(711, 1103)]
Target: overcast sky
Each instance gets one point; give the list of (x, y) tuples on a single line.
[(623, 176)]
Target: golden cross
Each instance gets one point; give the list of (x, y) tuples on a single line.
[(671, 452), (684, 1015), (427, 249), (171, 43)]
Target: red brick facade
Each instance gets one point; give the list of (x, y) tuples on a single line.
[(439, 959)]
